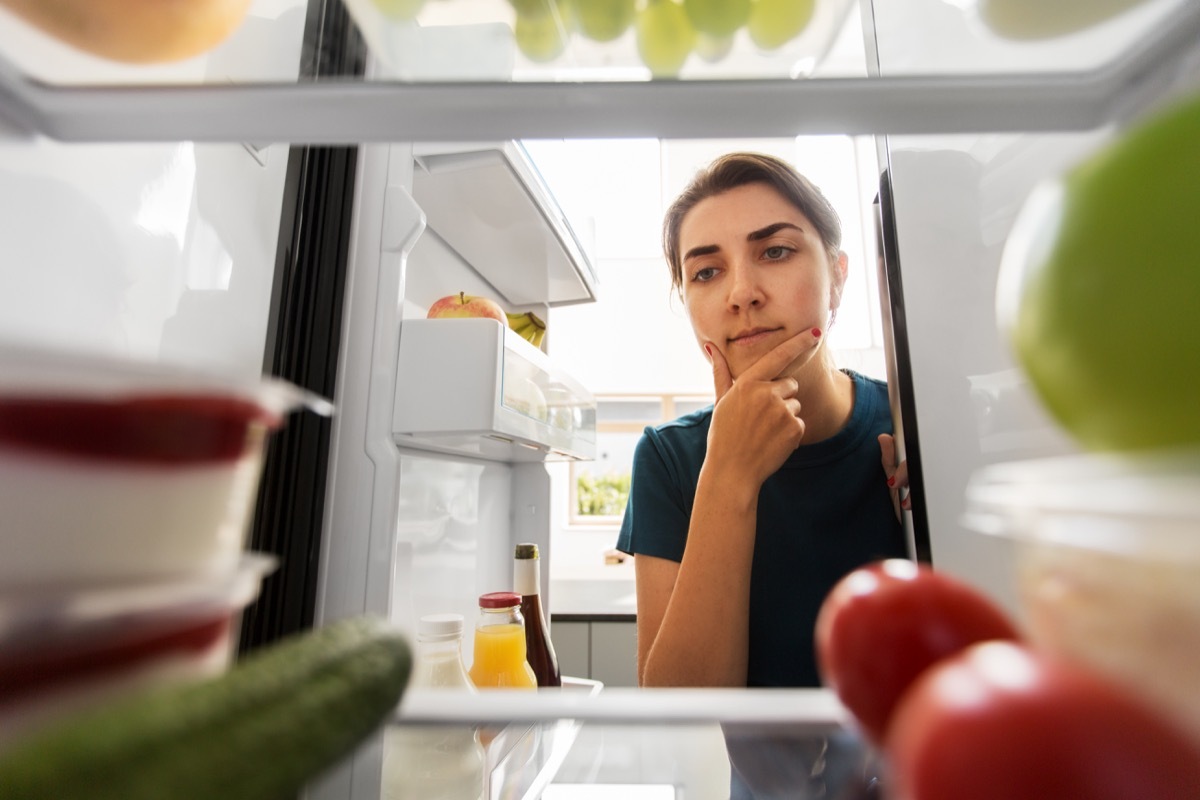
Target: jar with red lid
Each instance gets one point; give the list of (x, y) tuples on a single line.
[(500, 655)]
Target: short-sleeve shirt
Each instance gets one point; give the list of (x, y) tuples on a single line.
[(826, 511)]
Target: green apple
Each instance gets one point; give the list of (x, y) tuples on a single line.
[(1106, 289), (665, 37), (774, 23)]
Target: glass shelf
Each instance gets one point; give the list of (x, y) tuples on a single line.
[(933, 67)]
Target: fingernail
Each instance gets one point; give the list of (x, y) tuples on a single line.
[(906, 503), (708, 351), (892, 481), (816, 332)]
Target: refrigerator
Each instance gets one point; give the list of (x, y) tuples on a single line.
[(292, 202)]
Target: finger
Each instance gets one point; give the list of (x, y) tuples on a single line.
[(722, 380), (887, 451), (901, 475), (772, 364), (785, 388)]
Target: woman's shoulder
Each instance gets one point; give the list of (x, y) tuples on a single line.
[(699, 418), (862, 379), (873, 390), (872, 406), (685, 433)]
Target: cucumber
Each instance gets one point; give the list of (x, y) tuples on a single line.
[(258, 732)]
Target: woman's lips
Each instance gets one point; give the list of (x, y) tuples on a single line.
[(752, 336)]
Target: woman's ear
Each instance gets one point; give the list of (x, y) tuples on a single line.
[(841, 269)]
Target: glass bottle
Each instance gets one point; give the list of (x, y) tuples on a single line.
[(499, 661), (538, 647), (435, 762)]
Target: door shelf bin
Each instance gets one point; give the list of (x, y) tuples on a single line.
[(475, 387)]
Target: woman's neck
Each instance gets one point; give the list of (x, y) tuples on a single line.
[(826, 398)]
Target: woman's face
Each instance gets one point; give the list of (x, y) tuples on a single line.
[(755, 273)]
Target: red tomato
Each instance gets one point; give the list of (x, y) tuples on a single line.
[(885, 623), (1002, 722)]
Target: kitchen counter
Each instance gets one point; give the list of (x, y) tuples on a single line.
[(604, 592)]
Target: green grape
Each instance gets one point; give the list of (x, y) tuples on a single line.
[(400, 9), (665, 37), (713, 48), (774, 23), (1025, 20), (717, 17), (541, 38), (603, 20), (532, 8)]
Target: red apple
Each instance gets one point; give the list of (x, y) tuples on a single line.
[(465, 305)]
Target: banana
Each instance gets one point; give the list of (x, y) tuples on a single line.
[(528, 326)]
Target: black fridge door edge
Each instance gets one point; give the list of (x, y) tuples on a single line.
[(303, 340), (890, 248)]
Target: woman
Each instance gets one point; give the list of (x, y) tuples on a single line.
[(743, 516)]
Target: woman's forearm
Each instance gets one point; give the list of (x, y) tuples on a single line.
[(704, 634)]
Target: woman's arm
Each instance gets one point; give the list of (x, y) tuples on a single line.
[(693, 617)]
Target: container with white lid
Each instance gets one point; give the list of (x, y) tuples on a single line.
[(1108, 561), (115, 469), (64, 648)]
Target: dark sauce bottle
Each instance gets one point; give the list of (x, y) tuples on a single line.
[(539, 648)]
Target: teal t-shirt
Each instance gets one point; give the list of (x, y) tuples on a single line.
[(825, 512)]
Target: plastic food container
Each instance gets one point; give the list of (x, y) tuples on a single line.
[(1108, 565), (65, 648), (113, 469)]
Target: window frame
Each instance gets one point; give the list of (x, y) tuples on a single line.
[(668, 404)]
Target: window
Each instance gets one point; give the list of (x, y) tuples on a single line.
[(600, 488)]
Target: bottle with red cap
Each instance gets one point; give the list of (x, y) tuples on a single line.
[(539, 649), (500, 655)]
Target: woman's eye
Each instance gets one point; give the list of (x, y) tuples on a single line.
[(776, 252), (704, 274)]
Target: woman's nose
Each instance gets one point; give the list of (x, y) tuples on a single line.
[(744, 291)]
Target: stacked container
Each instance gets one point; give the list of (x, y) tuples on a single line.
[(127, 490)]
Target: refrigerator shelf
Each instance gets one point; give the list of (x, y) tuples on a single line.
[(475, 387), (1024, 86), (489, 204)]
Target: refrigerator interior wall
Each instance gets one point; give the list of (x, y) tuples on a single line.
[(155, 251), (411, 532), (954, 201)]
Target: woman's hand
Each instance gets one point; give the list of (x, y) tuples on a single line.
[(897, 474), (756, 422)]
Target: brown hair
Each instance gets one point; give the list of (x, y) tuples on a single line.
[(739, 169)]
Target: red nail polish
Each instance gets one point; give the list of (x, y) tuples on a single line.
[(816, 332), (892, 481)]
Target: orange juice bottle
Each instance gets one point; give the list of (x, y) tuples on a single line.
[(500, 644)]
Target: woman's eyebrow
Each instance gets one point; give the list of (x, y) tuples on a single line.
[(763, 233), (703, 250)]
